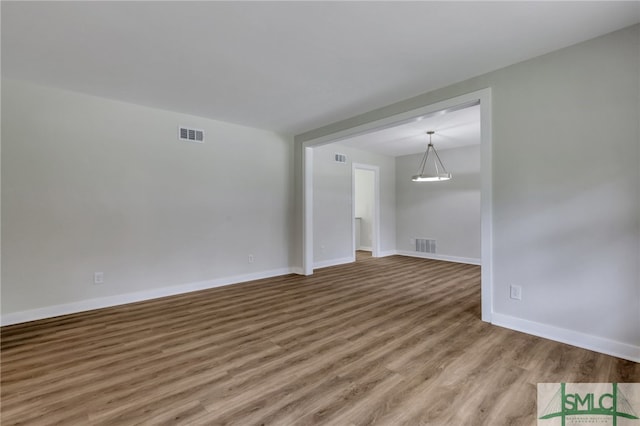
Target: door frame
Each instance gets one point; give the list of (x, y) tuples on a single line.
[(375, 226)]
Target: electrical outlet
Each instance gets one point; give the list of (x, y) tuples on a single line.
[(98, 277), (515, 292), (250, 258)]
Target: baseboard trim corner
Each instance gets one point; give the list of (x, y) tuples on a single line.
[(570, 337), (296, 270), (333, 262)]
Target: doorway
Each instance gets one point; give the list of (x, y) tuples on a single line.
[(366, 208), (481, 97)]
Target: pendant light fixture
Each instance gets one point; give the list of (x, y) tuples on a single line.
[(440, 171)]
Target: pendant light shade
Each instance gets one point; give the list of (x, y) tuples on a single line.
[(439, 174)]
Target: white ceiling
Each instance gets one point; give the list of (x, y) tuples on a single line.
[(452, 130), (284, 66)]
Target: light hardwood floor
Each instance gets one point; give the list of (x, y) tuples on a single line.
[(388, 341)]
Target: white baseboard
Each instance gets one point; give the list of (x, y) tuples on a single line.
[(296, 270), (333, 262), (434, 256), (570, 337), (122, 299), (387, 253), (363, 248)]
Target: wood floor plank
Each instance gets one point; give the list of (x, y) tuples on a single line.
[(386, 341)]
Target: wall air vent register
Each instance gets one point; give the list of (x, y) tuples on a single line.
[(190, 135), (424, 245), (340, 158)]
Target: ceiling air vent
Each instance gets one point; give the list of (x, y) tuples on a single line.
[(190, 135), (340, 158)]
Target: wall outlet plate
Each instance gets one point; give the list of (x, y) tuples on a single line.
[(515, 292)]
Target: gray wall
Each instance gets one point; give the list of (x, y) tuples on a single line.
[(332, 232), (566, 185), (448, 211), (90, 184)]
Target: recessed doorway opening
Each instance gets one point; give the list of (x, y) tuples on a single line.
[(481, 98), (366, 208)]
